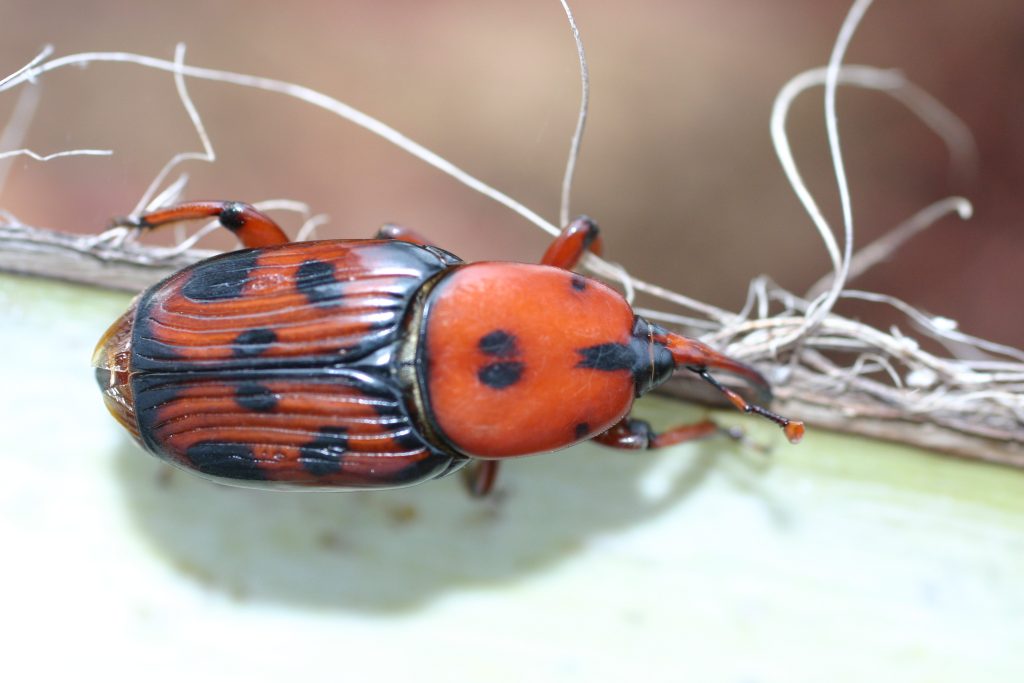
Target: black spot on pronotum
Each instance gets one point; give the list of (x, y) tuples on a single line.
[(579, 283), (316, 280), (229, 460), (255, 397), (501, 375), (499, 343), (253, 342), (323, 455), (232, 216), (222, 277), (582, 429), (607, 357)]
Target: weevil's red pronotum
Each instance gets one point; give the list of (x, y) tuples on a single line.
[(355, 364)]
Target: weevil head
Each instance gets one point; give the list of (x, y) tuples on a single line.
[(515, 359), (653, 362), (111, 362)]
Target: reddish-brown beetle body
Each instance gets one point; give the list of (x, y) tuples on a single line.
[(379, 363)]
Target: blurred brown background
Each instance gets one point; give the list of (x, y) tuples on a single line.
[(677, 165)]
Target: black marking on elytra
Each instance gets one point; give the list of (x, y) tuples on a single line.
[(317, 280), (222, 277), (578, 282), (392, 414), (323, 455), (142, 327), (446, 257), (387, 408), (150, 391), (431, 466), (502, 374), (256, 397), (499, 343), (582, 429), (409, 439), (253, 342), (232, 216), (229, 460), (607, 357), (383, 321), (146, 349)]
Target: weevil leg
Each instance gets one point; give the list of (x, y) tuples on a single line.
[(479, 477), (580, 235), (252, 227), (631, 434), (390, 231)]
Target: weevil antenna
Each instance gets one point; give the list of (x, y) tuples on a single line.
[(794, 429)]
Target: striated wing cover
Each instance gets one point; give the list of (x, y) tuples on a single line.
[(346, 430), (305, 304), (253, 366)]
